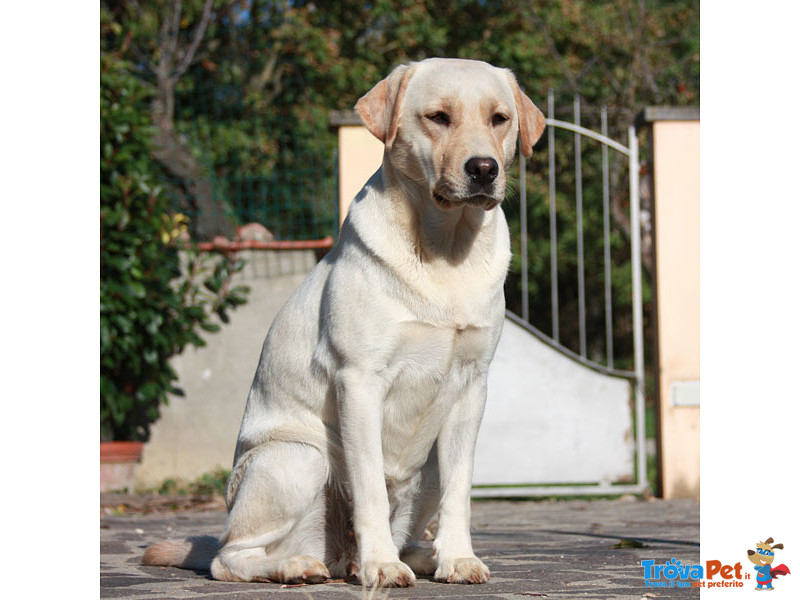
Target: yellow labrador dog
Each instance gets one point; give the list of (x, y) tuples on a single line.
[(362, 418)]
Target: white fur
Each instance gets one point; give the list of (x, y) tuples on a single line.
[(363, 414)]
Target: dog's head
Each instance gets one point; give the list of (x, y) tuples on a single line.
[(451, 126), (764, 554)]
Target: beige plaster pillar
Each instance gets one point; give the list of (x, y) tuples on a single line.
[(676, 180), (360, 155)]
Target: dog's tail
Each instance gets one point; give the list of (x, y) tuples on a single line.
[(193, 553)]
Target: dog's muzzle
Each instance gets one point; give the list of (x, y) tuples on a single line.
[(478, 201)]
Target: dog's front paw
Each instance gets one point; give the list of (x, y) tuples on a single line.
[(462, 570), (386, 574)]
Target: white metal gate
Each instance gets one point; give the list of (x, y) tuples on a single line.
[(635, 377)]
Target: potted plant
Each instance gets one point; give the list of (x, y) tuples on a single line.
[(157, 293)]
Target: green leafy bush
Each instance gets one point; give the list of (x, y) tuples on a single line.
[(156, 293), (214, 483)]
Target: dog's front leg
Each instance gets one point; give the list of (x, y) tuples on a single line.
[(456, 560), (360, 397)]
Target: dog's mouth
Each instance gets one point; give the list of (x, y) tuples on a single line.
[(478, 201)]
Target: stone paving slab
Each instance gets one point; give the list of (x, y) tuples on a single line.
[(559, 549)]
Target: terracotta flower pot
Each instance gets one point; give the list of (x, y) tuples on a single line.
[(118, 461)]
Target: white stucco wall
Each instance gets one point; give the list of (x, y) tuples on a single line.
[(197, 432), (549, 419)]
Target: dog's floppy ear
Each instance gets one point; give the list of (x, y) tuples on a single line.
[(531, 119), (379, 108)]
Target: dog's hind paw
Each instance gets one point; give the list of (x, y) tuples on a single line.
[(462, 570), (301, 569)]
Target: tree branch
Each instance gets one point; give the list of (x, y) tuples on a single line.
[(137, 6), (176, 25), (267, 74), (163, 39), (277, 87), (143, 58), (554, 51), (198, 37)]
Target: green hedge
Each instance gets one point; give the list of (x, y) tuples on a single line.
[(156, 294)]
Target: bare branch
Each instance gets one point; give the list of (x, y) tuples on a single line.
[(198, 37), (554, 51), (163, 39), (143, 58), (267, 74), (176, 25), (612, 79), (627, 17), (587, 66), (277, 86)]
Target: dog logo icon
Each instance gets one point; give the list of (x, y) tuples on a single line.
[(763, 557)]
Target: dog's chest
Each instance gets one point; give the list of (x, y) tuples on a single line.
[(429, 369), (421, 350)]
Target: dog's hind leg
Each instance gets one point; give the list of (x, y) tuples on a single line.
[(412, 516), (276, 528)]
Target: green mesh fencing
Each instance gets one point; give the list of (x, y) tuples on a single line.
[(250, 168)]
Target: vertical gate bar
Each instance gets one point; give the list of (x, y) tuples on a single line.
[(553, 233), (607, 242), (579, 211), (523, 231), (636, 280)]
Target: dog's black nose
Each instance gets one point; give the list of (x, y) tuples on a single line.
[(482, 171)]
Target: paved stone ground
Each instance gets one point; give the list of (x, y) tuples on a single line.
[(560, 549)]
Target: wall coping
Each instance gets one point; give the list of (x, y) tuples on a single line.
[(651, 114), (343, 118)]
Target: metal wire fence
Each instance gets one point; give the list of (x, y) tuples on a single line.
[(252, 170)]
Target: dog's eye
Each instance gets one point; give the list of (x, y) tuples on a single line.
[(498, 119), (440, 118)]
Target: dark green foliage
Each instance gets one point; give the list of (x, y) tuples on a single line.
[(150, 307), (209, 484), (261, 133), (253, 105)]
